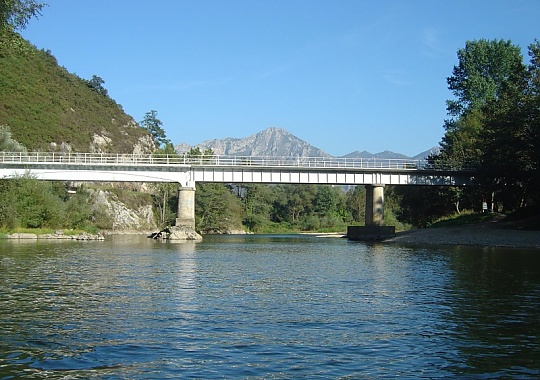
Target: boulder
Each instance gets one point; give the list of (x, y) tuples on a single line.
[(183, 233)]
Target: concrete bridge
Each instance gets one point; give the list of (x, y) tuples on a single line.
[(187, 170)]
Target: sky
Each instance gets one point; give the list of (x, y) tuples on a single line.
[(342, 75)]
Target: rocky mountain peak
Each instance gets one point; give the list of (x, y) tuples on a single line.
[(277, 142), (272, 141)]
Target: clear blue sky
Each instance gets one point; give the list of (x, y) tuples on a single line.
[(342, 75)]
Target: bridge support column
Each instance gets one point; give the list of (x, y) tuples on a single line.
[(374, 228), (185, 216), (184, 228), (374, 205)]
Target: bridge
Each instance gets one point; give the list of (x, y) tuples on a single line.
[(186, 170)]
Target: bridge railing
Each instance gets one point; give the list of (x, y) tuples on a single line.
[(217, 160)]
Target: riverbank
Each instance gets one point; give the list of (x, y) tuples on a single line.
[(57, 235), (498, 232)]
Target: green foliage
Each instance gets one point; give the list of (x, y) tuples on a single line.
[(165, 201), (356, 203), (462, 219), (217, 208), (96, 84), (15, 14), (7, 144), (26, 202), (494, 123), (153, 126), (43, 103)]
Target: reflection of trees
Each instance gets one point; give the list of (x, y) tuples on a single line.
[(495, 310)]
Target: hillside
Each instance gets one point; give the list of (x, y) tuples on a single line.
[(48, 108)]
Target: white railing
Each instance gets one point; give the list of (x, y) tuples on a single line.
[(216, 160)]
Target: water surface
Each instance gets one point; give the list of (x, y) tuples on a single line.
[(267, 307)]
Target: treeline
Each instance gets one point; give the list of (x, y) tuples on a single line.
[(493, 126), (28, 203), (266, 208)]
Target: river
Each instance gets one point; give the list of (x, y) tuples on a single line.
[(266, 307)]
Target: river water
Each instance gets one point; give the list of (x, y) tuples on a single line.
[(267, 307)]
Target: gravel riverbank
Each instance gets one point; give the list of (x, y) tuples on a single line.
[(495, 233)]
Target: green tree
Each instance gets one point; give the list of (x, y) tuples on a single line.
[(217, 209), (484, 69), (165, 195), (257, 200), (7, 143), (356, 203), (97, 84), (510, 161), (153, 125), (15, 14)]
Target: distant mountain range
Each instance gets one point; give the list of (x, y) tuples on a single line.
[(275, 142)]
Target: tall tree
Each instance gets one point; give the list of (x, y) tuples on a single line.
[(96, 84), (484, 70), (15, 14), (153, 125)]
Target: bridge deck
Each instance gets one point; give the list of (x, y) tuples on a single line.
[(92, 159), (186, 169)]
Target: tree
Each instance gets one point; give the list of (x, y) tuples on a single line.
[(15, 14), (216, 208), (7, 143), (153, 125), (356, 203), (96, 84), (165, 195), (257, 200), (510, 152), (484, 70)]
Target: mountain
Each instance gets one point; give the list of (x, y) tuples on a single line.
[(433, 151), (270, 142), (48, 108), (275, 142), (385, 155)]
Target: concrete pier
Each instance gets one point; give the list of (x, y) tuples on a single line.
[(374, 228), (185, 216), (184, 228), (374, 205)]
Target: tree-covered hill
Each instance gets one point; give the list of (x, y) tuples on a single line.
[(48, 108)]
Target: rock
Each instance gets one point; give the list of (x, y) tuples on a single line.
[(183, 233), (22, 235), (87, 236)]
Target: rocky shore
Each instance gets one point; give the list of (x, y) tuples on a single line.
[(58, 235), (494, 233)]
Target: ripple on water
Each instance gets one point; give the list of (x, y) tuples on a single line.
[(267, 307)]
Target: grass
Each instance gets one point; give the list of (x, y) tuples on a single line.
[(466, 217)]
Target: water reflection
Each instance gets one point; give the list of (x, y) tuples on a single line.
[(495, 295), (272, 306)]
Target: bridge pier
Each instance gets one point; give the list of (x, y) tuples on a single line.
[(184, 228), (185, 216), (374, 228), (374, 205)]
